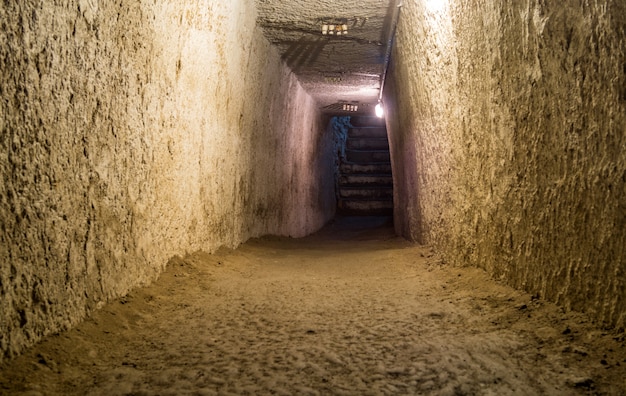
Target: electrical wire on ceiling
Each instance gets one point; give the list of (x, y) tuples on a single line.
[(390, 40)]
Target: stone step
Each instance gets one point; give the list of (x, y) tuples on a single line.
[(367, 121), (380, 168), (367, 144), (365, 180), (365, 208), (366, 193), (368, 156), (369, 132)]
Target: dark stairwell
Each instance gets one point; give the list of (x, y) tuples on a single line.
[(364, 182)]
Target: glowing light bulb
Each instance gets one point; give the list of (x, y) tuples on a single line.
[(379, 110), (436, 5)]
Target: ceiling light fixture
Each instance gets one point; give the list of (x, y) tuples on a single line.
[(338, 27)]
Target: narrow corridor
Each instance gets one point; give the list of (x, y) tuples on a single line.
[(351, 310)]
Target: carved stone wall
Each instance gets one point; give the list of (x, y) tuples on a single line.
[(508, 143), (134, 131)]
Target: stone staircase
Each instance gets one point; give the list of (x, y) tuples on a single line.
[(365, 185)]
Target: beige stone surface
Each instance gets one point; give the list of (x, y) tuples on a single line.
[(508, 143), (134, 131), (352, 310)]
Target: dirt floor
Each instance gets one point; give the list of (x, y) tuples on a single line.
[(352, 310)]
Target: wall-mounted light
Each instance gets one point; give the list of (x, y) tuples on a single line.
[(436, 5), (380, 112), (351, 108)]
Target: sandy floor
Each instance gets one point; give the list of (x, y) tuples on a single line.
[(350, 311)]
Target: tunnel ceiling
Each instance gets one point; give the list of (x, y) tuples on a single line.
[(336, 69)]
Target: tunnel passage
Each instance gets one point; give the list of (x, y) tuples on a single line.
[(364, 183), (133, 132)]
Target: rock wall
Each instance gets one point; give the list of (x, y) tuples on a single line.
[(133, 131), (508, 143)]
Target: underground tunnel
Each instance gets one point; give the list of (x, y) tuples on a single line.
[(198, 197)]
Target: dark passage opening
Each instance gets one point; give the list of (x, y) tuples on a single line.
[(364, 183)]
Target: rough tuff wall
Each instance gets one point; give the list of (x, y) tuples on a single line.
[(508, 144), (132, 131)]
